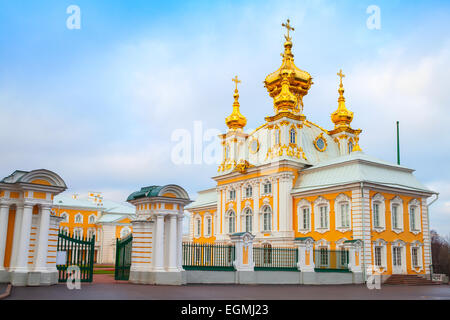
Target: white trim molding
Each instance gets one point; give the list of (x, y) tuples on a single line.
[(378, 200), (318, 203)]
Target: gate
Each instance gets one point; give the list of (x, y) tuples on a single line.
[(123, 258), (206, 256), (79, 252)]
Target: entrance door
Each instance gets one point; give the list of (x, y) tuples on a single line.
[(397, 267)]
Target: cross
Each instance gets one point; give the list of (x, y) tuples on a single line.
[(341, 75), (288, 27), (236, 81)]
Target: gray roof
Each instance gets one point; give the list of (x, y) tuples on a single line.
[(357, 167), (205, 198), (107, 207)]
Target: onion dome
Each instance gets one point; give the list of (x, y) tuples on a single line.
[(342, 117), (236, 120), (288, 84)]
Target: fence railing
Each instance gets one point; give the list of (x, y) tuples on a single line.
[(331, 260), (275, 258), (208, 256)]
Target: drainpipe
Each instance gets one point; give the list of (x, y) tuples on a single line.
[(362, 230), (428, 219)]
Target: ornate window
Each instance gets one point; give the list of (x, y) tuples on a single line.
[(414, 216), (267, 187), (292, 136), (267, 253), (343, 212), (378, 261), (397, 214), (321, 215), (378, 212), (197, 227), (379, 253), (65, 217), (78, 218), (267, 219), (231, 222), (416, 256), (92, 219), (248, 191), (248, 220), (304, 216), (232, 195), (208, 221)]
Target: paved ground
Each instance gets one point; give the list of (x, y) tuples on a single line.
[(123, 291)]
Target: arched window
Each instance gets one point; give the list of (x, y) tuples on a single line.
[(397, 214), (414, 215), (292, 136), (248, 191), (350, 147), (267, 187), (78, 232), (231, 222), (79, 218), (267, 218), (92, 219), (343, 210), (321, 215), (91, 233), (248, 217), (378, 211)]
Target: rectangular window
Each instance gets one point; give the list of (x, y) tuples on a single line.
[(248, 192), (378, 256), (376, 215), (198, 227), (395, 217), (323, 257), (415, 257), (208, 226)]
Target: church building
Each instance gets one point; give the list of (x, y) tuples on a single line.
[(293, 179)]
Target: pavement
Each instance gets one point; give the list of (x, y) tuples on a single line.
[(126, 291)]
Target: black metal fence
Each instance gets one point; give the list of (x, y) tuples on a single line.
[(331, 260), (269, 258), (197, 256)]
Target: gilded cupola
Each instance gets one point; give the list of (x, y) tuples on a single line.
[(288, 85), (342, 117), (236, 120)]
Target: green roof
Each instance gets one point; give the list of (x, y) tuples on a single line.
[(145, 192)]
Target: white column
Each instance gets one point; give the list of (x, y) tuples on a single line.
[(4, 213), (24, 241), (42, 244), (173, 243), (238, 208), (275, 208), (180, 241), (159, 244), (16, 236), (256, 214)]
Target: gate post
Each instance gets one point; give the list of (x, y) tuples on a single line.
[(157, 227), (354, 257), (243, 263), (305, 254)]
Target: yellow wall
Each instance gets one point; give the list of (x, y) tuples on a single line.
[(202, 214), (71, 224)]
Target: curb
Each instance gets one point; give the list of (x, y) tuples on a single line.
[(7, 292)]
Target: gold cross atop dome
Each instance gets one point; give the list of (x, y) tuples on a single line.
[(236, 81), (341, 75), (288, 27)]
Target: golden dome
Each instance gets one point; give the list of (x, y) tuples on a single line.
[(342, 117), (288, 84), (236, 120)]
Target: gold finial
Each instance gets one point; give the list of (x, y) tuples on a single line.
[(342, 117), (288, 27), (357, 148), (236, 120)]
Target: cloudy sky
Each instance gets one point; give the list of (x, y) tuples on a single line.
[(99, 104)]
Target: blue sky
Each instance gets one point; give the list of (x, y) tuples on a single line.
[(98, 105)]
